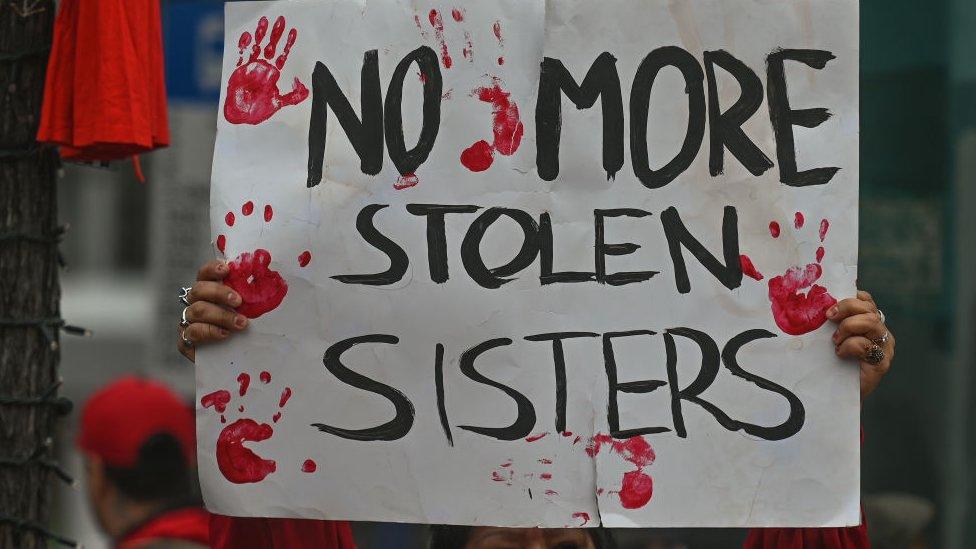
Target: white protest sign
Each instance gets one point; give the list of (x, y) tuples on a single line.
[(536, 263)]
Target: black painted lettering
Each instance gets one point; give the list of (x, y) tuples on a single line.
[(678, 236), (394, 429), (366, 136)]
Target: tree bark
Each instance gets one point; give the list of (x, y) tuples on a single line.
[(29, 284)]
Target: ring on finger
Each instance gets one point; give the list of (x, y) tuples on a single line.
[(883, 340), (186, 342), (874, 355), (185, 295), (881, 316), (183, 321)]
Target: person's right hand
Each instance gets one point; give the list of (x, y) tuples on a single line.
[(211, 312)]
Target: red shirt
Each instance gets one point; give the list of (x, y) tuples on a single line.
[(266, 533), (186, 524)]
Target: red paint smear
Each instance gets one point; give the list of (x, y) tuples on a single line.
[(599, 491), (820, 254), (478, 157), (545, 476), (795, 312), (244, 41), (221, 243), (223, 419), (501, 60), (507, 125), (534, 438), (304, 258), (748, 268), (585, 517), (229, 219), (285, 395), (567, 434), (247, 208), (636, 486), (240, 408), (457, 15), (495, 476), (276, 417), (252, 94), (276, 32), (798, 220), (636, 490), (468, 51), (406, 181), (238, 463), (577, 439), (217, 399), (552, 493), (265, 377), (268, 212), (824, 227), (423, 77), (435, 21), (545, 461), (497, 29), (260, 288), (774, 229), (244, 380), (309, 466), (423, 33), (506, 464)]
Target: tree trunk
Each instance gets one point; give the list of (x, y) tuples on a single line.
[(29, 286)]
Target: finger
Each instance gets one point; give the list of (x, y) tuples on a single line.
[(866, 324), (213, 270), (209, 313), (186, 350), (852, 347), (850, 307), (199, 333), (865, 296), (214, 292)]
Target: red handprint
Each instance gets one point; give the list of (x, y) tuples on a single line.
[(261, 288), (794, 311), (252, 90)]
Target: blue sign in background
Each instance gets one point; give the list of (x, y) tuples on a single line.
[(193, 41)]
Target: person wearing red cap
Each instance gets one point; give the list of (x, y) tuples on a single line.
[(137, 438)]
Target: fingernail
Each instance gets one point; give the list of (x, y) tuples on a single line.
[(233, 299), (832, 312), (240, 321), (222, 267), (835, 337), (224, 333)]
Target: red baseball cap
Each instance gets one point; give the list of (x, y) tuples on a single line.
[(118, 419)]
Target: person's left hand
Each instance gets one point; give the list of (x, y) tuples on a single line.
[(862, 334)]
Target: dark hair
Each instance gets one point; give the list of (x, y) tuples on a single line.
[(160, 473), (455, 537)]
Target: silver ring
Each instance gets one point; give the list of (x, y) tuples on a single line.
[(185, 295), (874, 355), (882, 316), (883, 340), (186, 342), (183, 321)]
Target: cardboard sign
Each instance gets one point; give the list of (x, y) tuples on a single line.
[(530, 263)]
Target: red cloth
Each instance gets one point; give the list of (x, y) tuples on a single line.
[(105, 93), (809, 538), (270, 533), (188, 524), (119, 418)]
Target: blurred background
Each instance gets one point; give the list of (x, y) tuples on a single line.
[(131, 245)]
